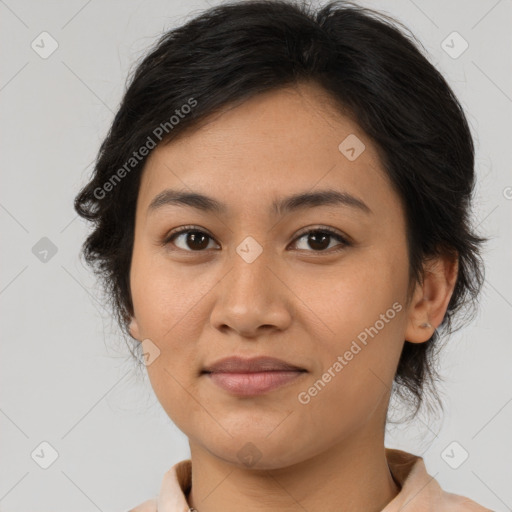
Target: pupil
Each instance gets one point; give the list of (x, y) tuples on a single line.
[(194, 236), (314, 243)]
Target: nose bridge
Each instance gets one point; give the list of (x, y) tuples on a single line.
[(250, 275), (250, 296)]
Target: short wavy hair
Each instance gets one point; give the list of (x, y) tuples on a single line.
[(376, 75)]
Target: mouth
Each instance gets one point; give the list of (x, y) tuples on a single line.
[(236, 364), (251, 377), (253, 383)]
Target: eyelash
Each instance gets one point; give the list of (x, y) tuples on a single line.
[(193, 229)]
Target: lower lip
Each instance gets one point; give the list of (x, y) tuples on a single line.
[(250, 384)]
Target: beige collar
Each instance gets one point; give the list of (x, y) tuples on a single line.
[(419, 492)]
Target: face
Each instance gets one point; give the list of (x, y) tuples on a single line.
[(320, 284)]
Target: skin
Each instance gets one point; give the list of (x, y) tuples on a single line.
[(294, 302)]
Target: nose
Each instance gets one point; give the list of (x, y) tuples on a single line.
[(252, 299)]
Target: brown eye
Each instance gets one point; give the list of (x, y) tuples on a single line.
[(319, 240), (191, 240)]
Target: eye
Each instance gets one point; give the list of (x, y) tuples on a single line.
[(194, 240), (318, 239)]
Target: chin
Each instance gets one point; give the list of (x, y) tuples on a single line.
[(251, 449)]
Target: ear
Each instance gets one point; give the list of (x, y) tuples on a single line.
[(134, 329), (431, 297)]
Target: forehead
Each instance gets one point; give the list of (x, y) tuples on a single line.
[(275, 144)]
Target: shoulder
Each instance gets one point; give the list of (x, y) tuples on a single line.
[(147, 506), (422, 489), (174, 484), (457, 503)]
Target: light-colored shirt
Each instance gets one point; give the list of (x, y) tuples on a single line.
[(419, 491)]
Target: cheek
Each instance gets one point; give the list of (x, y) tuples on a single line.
[(361, 308), (345, 299), (165, 296), (171, 309)]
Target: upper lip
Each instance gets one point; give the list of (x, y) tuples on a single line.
[(252, 365)]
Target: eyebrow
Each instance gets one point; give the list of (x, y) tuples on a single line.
[(288, 204)]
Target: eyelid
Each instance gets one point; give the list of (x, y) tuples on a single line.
[(345, 241), (185, 229), (321, 228)]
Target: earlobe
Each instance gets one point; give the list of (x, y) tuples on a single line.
[(134, 329), (431, 298)]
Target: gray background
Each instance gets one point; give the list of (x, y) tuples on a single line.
[(66, 377)]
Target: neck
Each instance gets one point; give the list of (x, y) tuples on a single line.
[(350, 476)]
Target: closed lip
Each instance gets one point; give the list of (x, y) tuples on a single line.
[(236, 364)]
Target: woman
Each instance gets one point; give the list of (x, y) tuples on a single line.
[(281, 219)]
